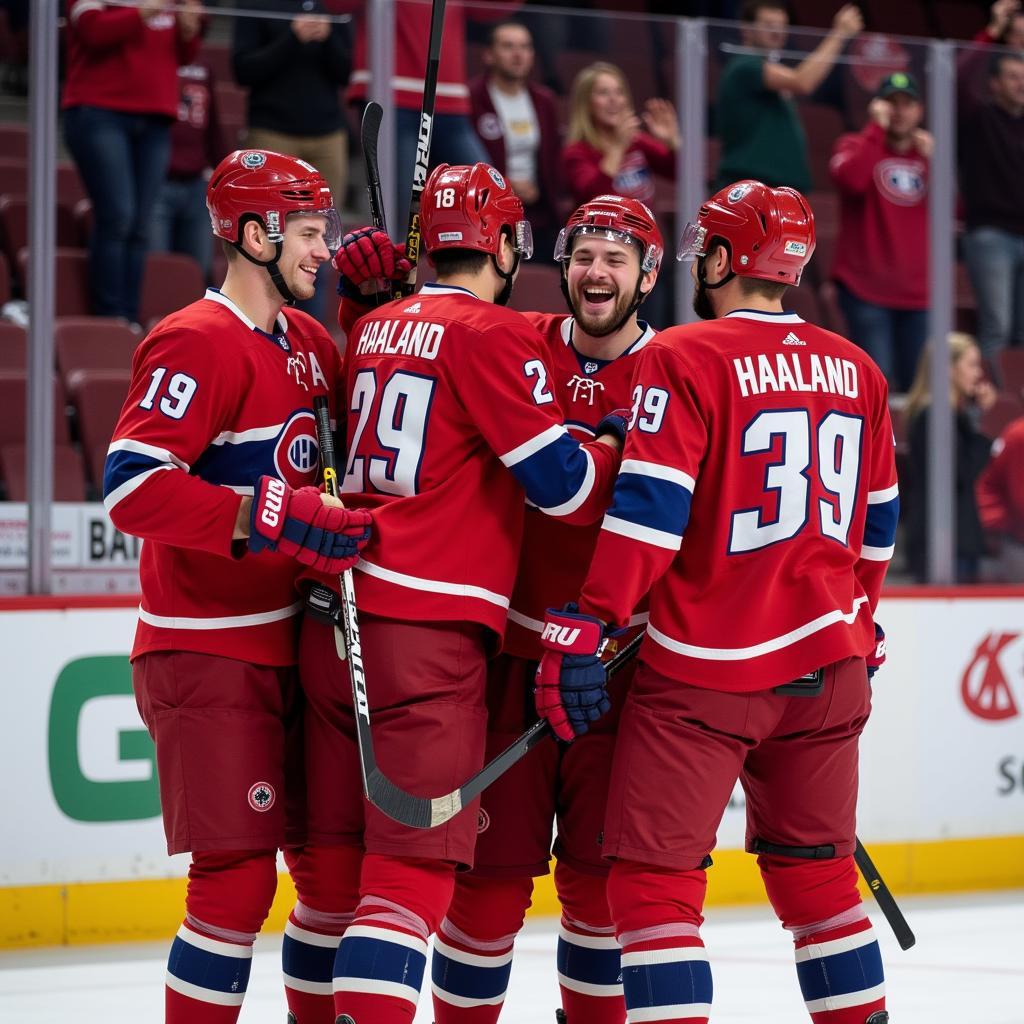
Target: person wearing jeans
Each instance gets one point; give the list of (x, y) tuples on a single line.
[(120, 98)]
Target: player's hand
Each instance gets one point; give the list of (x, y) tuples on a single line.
[(300, 524), (880, 111), (571, 684), (615, 423), (848, 21), (368, 254), (876, 659)]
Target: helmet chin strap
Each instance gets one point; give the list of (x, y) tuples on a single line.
[(701, 303), (638, 298), (272, 269), (503, 297)]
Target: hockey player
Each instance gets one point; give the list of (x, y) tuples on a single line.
[(213, 463), (451, 419), (767, 441), (610, 251)]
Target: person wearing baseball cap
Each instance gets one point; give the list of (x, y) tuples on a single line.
[(881, 261)]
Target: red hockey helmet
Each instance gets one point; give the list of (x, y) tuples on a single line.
[(270, 186), (769, 230), (467, 207), (618, 219)]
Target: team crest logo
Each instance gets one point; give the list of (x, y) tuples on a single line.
[(253, 160), (901, 181), (489, 127), (985, 685), (297, 368), (262, 796), (496, 177), (483, 821), (590, 367), (297, 454), (737, 193), (584, 387)]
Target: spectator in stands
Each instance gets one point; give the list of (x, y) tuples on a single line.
[(181, 221), (1000, 497), (607, 150), (881, 265), (517, 121), (120, 99), (1005, 26), (294, 71), (991, 152), (755, 115), (970, 394)]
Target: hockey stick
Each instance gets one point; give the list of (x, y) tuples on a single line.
[(370, 133), (884, 897), (874, 881), (422, 165)]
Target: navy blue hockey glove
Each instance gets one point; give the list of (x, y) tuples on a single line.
[(297, 523), (876, 659), (571, 690), (615, 422)]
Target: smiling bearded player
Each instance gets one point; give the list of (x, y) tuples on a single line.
[(610, 251)]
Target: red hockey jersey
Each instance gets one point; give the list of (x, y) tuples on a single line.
[(451, 417), (767, 442), (555, 555), (214, 404)]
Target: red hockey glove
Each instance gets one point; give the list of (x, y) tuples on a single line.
[(571, 681), (368, 254), (876, 659), (297, 523)]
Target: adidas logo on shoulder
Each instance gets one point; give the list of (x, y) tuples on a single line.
[(414, 308), (792, 339)]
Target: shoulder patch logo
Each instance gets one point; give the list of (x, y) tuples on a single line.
[(253, 160), (262, 796)]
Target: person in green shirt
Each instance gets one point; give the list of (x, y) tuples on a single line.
[(757, 120)]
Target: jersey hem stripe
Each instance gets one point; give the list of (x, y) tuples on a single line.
[(433, 586), (219, 622), (659, 538), (534, 445), (658, 472), (756, 650)]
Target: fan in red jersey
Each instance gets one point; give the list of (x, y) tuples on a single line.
[(766, 441), (610, 251), (454, 425), (214, 464)]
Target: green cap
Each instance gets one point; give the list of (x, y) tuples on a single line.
[(899, 81)]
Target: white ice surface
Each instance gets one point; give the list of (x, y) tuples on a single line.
[(967, 968)]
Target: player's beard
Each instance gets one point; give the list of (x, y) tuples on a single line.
[(701, 302), (607, 323)]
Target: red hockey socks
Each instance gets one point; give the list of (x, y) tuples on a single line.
[(589, 971), (472, 959)]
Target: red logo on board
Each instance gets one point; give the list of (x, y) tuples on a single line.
[(985, 687)]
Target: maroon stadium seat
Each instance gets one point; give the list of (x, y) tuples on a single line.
[(804, 302), (1011, 370), (99, 395), (538, 289), (71, 280), (14, 139), (70, 189), (14, 224), (1007, 408), (92, 343), (68, 473), (14, 408), (13, 175), (822, 125), (171, 280), (13, 346)]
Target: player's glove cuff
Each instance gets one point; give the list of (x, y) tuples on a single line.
[(615, 422), (266, 518), (876, 659)]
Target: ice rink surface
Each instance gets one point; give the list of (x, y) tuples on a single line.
[(967, 968)]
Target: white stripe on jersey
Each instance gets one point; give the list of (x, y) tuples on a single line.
[(219, 622), (845, 1000), (877, 554), (880, 497), (432, 586), (531, 447), (127, 444), (573, 503), (203, 995), (255, 434), (659, 472), (122, 492), (659, 538), (756, 650), (765, 318), (214, 295)]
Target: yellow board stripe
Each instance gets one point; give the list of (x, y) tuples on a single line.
[(149, 909)]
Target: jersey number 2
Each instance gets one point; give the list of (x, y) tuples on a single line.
[(838, 440), (400, 426)]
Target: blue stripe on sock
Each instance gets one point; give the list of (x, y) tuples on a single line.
[(688, 981), (310, 963), (208, 970), (363, 957), (468, 980), (593, 966), (841, 973)]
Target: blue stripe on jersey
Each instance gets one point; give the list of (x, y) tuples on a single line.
[(122, 466), (469, 981), (306, 961), (880, 525), (208, 970), (592, 966), (554, 474), (236, 465), (671, 984), (651, 502), (841, 973), (378, 960)]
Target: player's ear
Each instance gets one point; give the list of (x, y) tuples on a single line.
[(253, 236), (647, 282)]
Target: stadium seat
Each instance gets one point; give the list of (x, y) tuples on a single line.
[(822, 126), (70, 189), (966, 305), (14, 408), (13, 346), (13, 175), (71, 278), (14, 139), (171, 280), (68, 473), (92, 343), (232, 102), (804, 302), (538, 289), (1011, 370), (217, 57), (1006, 409), (99, 395), (14, 224), (5, 279)]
